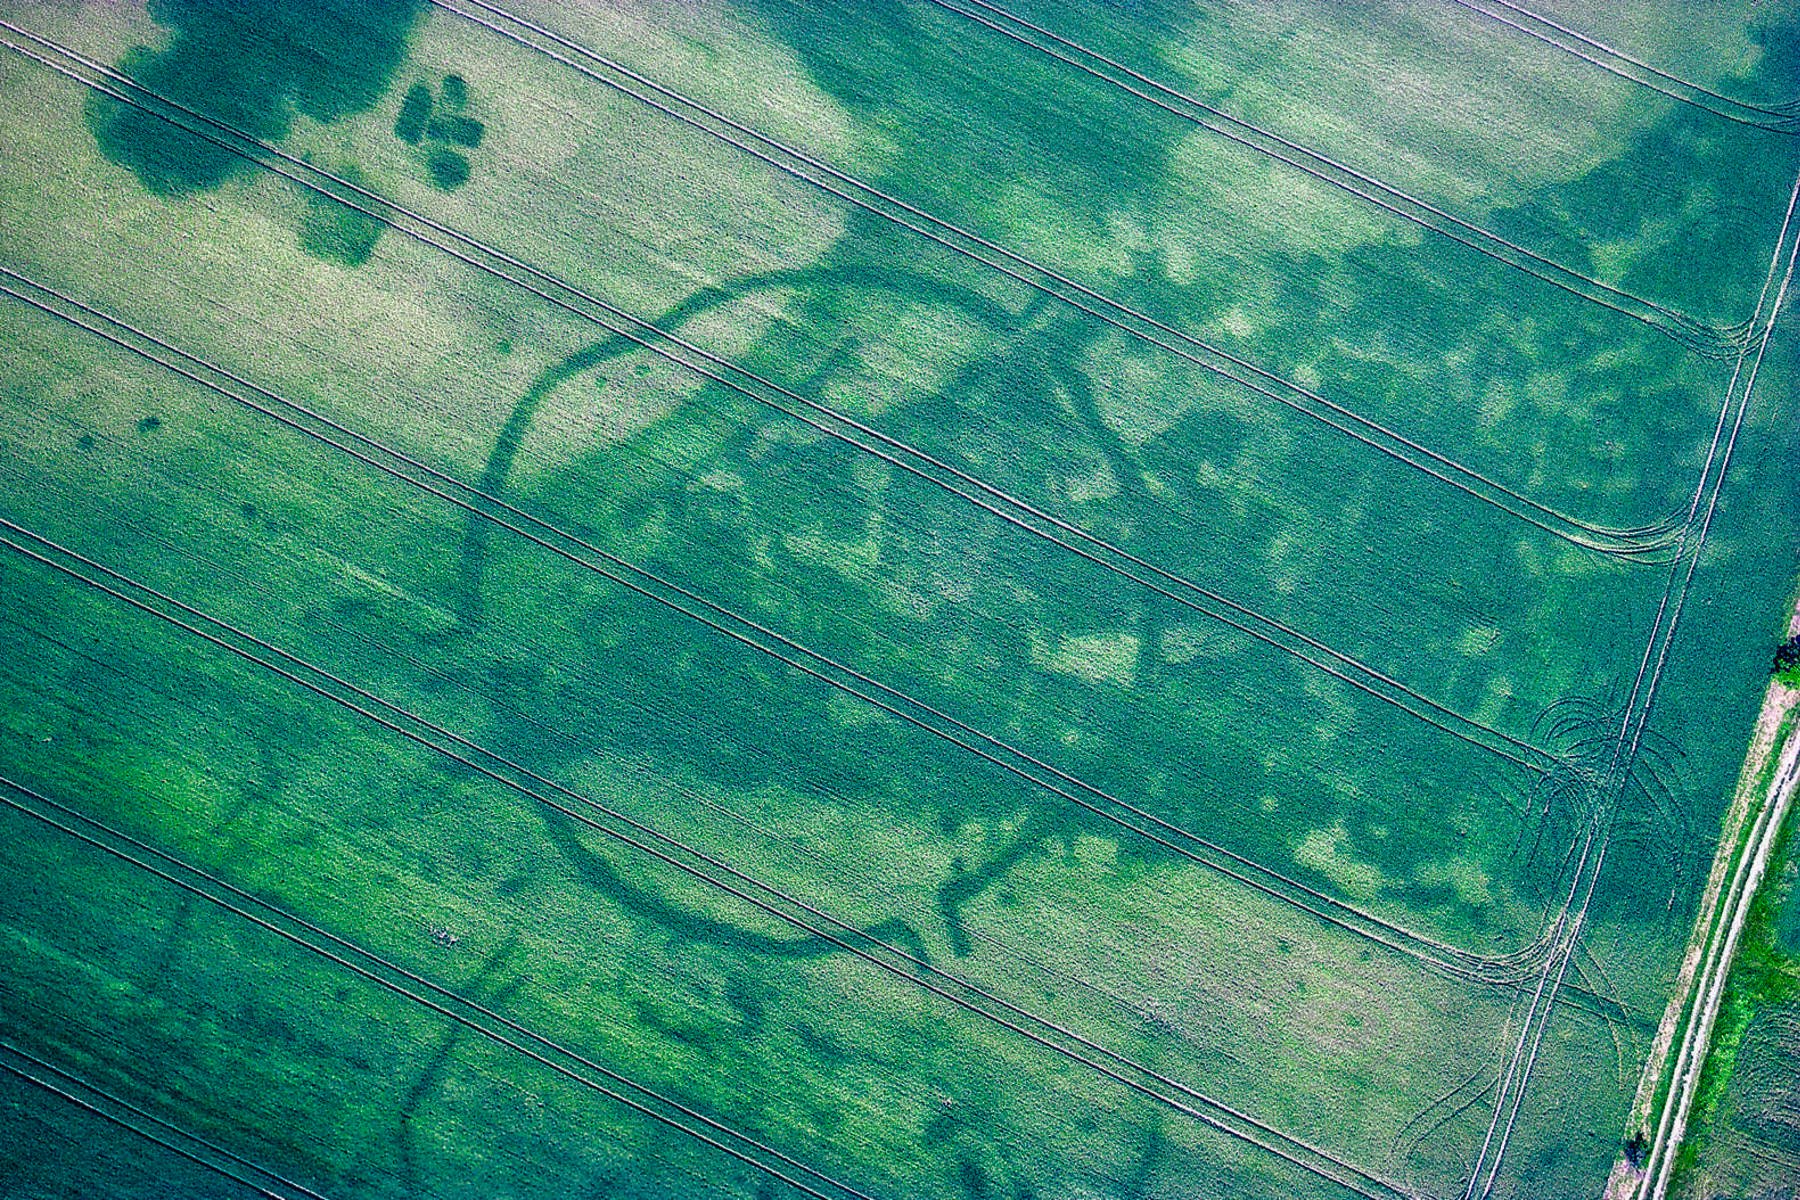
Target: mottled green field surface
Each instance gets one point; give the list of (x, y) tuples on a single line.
[(917, 730)]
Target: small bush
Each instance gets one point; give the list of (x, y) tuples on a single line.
[(1787, 662)]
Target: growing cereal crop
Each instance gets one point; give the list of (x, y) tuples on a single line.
[(941, 598)]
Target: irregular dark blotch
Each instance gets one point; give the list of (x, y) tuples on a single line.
[(336, 232), (415, 111), (455, 92), (254, 65), (86, 441), (149, 423), (458, 131), (449, 170)]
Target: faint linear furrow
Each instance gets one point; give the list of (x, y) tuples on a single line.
[(1639, 704), (992, 500), (1778, 118), (1695, 335), (1507, 969), (443, 1001), (559, 733), (584, 745), (1502, 969), (1647, 541), (642, 837), (109, 1107)]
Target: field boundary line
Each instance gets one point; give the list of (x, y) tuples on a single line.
[(1671, 1078), (1654, 1080), (1697, 1038)]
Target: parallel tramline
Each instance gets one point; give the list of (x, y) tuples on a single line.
[(965, 486), (1694, 335), (1778, 118), (100, 1103), (809, 919), (1510, 969), (623, 766), (1505, 968), (1538, 972), (1650, 541), (1596, 839), (409, 985)]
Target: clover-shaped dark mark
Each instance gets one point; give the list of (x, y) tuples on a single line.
[(435, 125)]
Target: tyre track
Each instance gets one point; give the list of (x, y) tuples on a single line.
[(1610, 783), (1690, 1057), (110, 1108), (1778, 118), (1694, 335), (389, 975), (969, 488), (1651, 541), (1508, 968), (743, 887)]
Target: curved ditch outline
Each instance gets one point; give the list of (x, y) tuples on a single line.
[(1351, 671), (377, 969), (972, 998), (1649, 541), (1502, 969), (905, 934)]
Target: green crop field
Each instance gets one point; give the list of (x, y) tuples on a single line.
[(902, 598)]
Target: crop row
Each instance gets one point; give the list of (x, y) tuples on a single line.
[(708, 869), (967, 487), (1648, 541), (1607, 784)]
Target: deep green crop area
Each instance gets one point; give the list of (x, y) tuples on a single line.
[(890, 599)]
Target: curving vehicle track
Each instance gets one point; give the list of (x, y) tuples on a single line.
[(1609, 784)]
